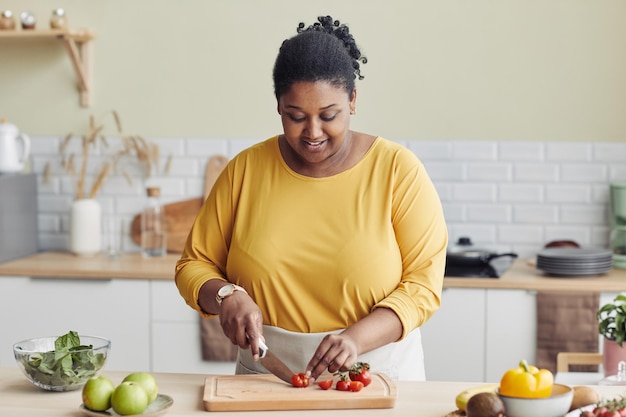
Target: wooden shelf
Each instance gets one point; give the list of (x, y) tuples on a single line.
[(79, 47)]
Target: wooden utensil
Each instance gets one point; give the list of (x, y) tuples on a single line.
[(266, 392), (179, 216)]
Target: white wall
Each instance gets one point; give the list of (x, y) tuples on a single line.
[(518, 70)]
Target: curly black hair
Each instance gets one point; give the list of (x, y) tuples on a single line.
[(323, 51)]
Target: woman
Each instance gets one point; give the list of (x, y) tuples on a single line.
[(335, 239)]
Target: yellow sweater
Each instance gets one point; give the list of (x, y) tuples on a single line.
[(319, 254)]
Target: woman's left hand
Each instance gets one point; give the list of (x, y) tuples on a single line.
[(336, 352)]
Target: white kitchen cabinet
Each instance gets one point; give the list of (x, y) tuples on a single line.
[(116, 309), (176, 342), (454, 338), (511, 322), (478, 333)]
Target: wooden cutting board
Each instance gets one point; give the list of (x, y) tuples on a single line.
[(264, 392), (179, 216)]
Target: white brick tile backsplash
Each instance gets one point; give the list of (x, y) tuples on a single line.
[(474, 192), (445, 171), (558, 193), (475, 151), (454, 212), (509, 195), (431, 151), (617, 172), (489, 172), (489, 213), (522, 233), (521, 193), (535, 172), (590, 215), (521, 151), (579, 234), (567, 151), (609, 152), (584, 172), (536, 214)]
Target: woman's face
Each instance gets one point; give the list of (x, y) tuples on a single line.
[(316, 122)]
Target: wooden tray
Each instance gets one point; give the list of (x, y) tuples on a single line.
[(265, 392)]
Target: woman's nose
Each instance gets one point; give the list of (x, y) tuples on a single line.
[(314, 128)]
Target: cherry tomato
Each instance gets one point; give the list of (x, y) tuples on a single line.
[(325, 384), (343, 385), (360, 371), (356, 386), (300, 380), (365, 377)]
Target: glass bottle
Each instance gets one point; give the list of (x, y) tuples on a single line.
[(153, 233)]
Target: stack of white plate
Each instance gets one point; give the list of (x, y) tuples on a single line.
[(575, 261)]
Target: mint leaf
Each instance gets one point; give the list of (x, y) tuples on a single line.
[(69, 364)]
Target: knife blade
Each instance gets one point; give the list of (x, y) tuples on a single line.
[(273, 364)]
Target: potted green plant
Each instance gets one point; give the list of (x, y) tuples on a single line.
[(612, 327)]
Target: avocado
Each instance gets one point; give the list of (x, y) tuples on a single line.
[(485, 404)]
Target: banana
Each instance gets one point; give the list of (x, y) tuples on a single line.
[(464, 396)]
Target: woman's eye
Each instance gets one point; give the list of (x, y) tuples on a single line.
[(297, 119), (328, 118)]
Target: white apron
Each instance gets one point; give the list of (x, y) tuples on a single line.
[(401, 361)]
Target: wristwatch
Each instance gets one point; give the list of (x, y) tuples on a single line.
[(227, 291)]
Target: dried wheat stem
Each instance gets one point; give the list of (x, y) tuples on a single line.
[(46, 173), (168, 164), (104, 172)]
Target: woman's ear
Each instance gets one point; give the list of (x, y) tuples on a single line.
[(353, 102)]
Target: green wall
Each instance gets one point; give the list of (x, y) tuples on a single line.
[(550, 70)]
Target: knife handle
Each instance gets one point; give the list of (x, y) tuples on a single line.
[(262, 347)]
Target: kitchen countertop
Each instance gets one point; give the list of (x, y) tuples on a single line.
[(424, 399), (521, 275)]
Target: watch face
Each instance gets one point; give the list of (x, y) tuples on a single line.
[(225, 290)]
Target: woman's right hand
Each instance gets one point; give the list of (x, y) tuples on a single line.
[(242, 321)]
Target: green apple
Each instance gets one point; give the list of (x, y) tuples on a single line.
[(129, 398), (97, 393), (147, 381)]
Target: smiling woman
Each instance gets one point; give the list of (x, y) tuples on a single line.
[(336, 237)]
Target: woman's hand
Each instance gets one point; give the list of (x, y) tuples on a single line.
[(242, 321), (336, 352)]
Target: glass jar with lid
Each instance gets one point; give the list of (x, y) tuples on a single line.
[(7, 21), (58, 19)]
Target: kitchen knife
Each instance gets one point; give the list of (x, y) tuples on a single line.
[(273, 364)]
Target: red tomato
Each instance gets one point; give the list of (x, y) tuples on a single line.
[(360, 371), (325, 384), (300, 380), (343, 385), (365, 377), (356, 386)]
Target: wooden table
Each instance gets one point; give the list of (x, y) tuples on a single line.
[(19, 398)]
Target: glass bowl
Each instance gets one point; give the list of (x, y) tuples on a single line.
[(62, 370)]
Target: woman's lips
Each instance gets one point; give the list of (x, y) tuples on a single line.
[(314, 145)]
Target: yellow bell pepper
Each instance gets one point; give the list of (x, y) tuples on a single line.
[(527, 381)]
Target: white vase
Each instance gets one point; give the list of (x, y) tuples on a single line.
[(85, 227)]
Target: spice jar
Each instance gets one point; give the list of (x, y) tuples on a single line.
[(58, 20), (28, 20), (7, 22)]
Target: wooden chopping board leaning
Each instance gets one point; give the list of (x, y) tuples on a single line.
[(179, 216)]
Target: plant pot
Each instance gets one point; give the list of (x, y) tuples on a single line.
[(612, 354), (85, 227)]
